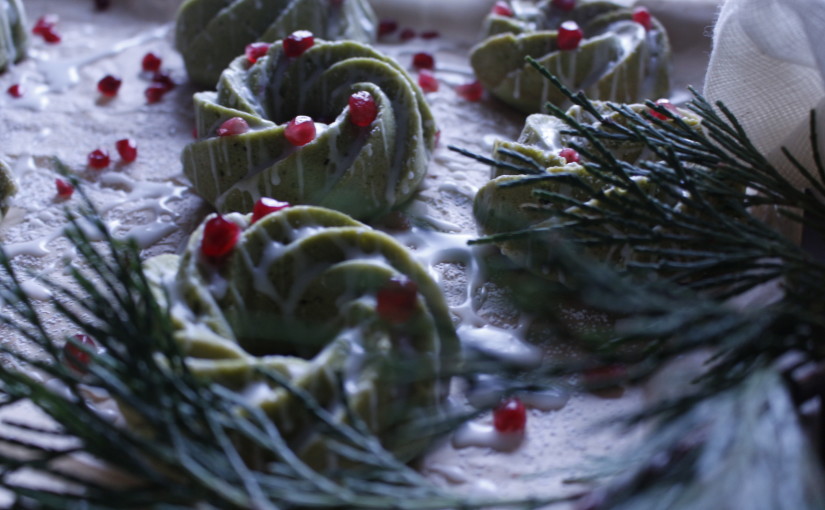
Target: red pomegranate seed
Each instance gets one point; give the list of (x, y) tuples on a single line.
[(109, 85), (642, 16), (569, 155), (151, 62), (154, 93), (163, 79), (386, 27), (427, 81), (501, 8), (15, 91), (423, 61), (362, 108), (265, 206), (98, 159), (64, 188), (395, 301), (256, 50), (472, 91), (570, 35), (51, 36), (76, 358), (430, 34), (407, 34), (219, 237), (44, 24), (664, 103), (233, 126), (127, 148), (510, 417), (604, 375), (300, 130), (564, 5), (298, 42)]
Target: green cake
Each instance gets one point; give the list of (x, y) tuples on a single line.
[(13, 33), (210, 33), (319, 298), (618, 59), (363, 171)]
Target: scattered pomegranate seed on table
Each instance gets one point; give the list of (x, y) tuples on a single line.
[(569, 36), (472, 91), (265, 206), (64, 188), (154, 93), (395, 301), (233, 126), (219, 238), (501, 8), (300, 130), (510, 417), (362, 108), (386, 27), (427, 81), (564, 5), (430, 34), (127, 148), (15, 91), (109, 85), (256, 50), (76, 358), (569, 155), (163, 79), (407, 34), (423, 60), (46, 27), (642, 16), (296, 43), (98, 159), (151, 62)]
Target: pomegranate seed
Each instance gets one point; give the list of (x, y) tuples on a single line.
[(570, 35), (15, 91), (298, 42), (151, 62), (233, 126), (109, 85), (265, 206), (604, 375), (256, 50), (510, 416), (423, 61), (386, 27), (427, 81), (127, 148), (219, 237), (154, 93), (664, 103), (407, 34), (76, 358), (430, 34), (472, 91), (362, 108), (564, 5), (163, 79), (64, 188), (300, 130), (501, 8), (569, 155), (642, 16), (51, 36), (395, 301), (44, 24), (98, 159)]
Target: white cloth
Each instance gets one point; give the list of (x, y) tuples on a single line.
[(768, 67)]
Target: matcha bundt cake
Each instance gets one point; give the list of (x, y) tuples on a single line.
[(511, 201), (13, 33), (334, 124), (611, 52), (321, 299), (210, 33), (7, 188)]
